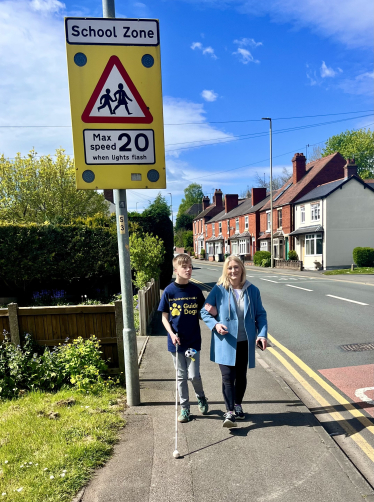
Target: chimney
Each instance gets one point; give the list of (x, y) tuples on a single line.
[(350, 168), (206, 202), (298, 166), (108, 195), (258, 194), (217, 198), (231, 201)]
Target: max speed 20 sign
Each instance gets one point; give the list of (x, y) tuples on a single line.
[(114, 71)]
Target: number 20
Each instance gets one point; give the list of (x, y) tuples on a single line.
[(124, 147)]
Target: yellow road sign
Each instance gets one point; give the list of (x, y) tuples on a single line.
[(114, 71)]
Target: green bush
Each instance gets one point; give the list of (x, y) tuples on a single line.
[(202, 253), (30, 367), (363, 257), (265, 262), (292, 255), (188, 239), (259, 256)]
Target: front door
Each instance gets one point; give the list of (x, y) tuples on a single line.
[(287, 248)]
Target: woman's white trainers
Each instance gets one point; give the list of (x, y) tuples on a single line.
[(229, 420)]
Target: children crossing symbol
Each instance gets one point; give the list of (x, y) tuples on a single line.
[(115, 98)]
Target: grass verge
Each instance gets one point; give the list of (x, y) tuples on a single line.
[(50, 443), (357, 270)]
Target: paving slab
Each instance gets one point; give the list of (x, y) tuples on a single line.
[(279, 453)]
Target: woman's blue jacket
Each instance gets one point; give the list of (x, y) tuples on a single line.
[(223, 347)]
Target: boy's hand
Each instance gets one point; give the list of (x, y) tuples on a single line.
[(221, 329), (175, 339), (210, 309)]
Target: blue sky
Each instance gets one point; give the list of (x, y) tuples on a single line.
[(225, 64)]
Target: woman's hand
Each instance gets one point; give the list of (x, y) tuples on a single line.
[(210, 309), (221, 329), (261, 343)]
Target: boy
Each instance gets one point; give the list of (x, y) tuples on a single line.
[(180, 306)]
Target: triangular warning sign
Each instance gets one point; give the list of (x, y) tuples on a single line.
[(116, 99)]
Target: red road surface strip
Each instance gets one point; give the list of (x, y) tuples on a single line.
[(353, 378)]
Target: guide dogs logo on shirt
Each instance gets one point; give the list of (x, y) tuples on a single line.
[(175, 309)]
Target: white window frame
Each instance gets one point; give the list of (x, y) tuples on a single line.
[(220, 228), (234, 247), (315, 211), (206, 230), (246, 224), (228, 226), (281, 216), (237, 225), (268, 221), (302, 214), (243, 246), (201, 226), (311, 244)]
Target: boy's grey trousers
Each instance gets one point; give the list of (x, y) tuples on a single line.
[(188, 370)]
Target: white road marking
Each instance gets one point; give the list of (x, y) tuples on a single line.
[(347, 300), (360, 393), (297, 287), (268, 280)]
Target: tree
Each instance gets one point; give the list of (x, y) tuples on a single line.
[(146, 257), (184, 221), (357, 144), (316, 153), (278, 181), (158, 209), (38, 190), (192, 194), (188, 239)]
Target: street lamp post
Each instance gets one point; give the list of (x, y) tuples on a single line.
[(271, 193)]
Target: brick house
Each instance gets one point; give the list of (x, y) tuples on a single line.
[(235, 228), (305, 177), (200, 221)]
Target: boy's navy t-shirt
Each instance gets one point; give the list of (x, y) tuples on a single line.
[(183, 303)]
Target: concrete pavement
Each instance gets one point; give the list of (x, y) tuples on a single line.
[(279, 453)]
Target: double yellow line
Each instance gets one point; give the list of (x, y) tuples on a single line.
[(335, 415)]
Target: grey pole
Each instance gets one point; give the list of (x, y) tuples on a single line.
[(271, 193), (129, 335)]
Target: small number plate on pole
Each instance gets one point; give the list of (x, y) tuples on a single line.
[(122, 228)]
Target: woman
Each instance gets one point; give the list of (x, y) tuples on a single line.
[(234, 313)]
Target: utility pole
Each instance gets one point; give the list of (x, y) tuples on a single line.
[(271, 193), (129, 334)]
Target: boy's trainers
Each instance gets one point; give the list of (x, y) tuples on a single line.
[(239, 414), (184, 416), (229, 420), (203, 405)]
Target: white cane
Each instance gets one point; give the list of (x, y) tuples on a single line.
[(176, 452)]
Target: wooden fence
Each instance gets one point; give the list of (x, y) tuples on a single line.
[(50, 326)]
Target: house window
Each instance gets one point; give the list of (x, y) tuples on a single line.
[(302, 209), (246, 223), (213, 229), (228, 226), (281, 249), (315, 211), (206, 230), (234, 247), (313, 244), (201, 226), (220, 228), (280, 218), (243, 246), (237, 225), (268, 221), (195, 226), (264, 246)]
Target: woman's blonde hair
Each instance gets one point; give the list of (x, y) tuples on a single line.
[(224, 279)]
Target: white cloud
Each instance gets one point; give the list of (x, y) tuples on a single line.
[(344, 20), (195, 131), (33, 87), (326, 71), (362, 84), (205, 50), (245, 56), (47, 5), (209, 95), (243, 42)]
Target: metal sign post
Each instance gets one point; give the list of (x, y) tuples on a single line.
[(114, 70)]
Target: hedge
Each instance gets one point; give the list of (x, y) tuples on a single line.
[(259, 256), (363, 257)]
